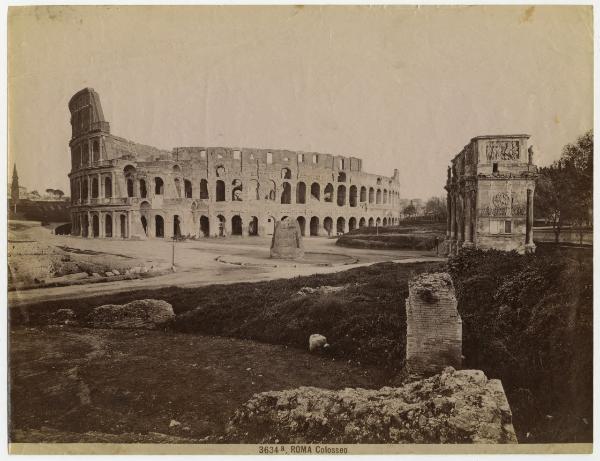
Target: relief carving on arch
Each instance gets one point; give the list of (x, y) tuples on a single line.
[(502, 150)]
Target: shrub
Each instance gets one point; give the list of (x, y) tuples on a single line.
[(527, 319)]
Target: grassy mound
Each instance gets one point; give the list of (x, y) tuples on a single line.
[(364, 322)]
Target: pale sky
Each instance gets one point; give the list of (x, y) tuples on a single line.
[(399, 87)]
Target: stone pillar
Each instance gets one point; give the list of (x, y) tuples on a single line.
[(449, 216), (433, 325), (90, 232), (529, 245), (100, 186), (467, 221), (128, 223)]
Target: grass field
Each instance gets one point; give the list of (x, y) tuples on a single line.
[(128, 386)]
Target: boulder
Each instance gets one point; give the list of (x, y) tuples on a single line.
[(109, 274), (287, 240), (451, 407), (317, 342), (145, 313), (116, 272)]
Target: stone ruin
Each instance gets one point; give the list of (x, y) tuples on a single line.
[(433, 325), (287, 240), (451, 407)]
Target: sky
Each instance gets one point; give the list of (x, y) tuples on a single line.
[(398, 86)]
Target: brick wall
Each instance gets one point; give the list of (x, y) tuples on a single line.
[(434, 327)]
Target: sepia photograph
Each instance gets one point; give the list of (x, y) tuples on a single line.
[(296, 230)]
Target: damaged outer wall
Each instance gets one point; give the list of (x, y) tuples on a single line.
[(257, 187)]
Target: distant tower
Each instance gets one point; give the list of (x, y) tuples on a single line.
[(14, 187)]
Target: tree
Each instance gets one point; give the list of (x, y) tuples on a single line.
[(564, 192), (59, 193), (436, 207), (409, 210), (35, 193)]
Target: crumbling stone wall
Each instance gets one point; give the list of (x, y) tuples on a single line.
[(452, 407), (122, 189), (433, 325)]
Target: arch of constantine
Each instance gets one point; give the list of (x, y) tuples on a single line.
[(121, 189)]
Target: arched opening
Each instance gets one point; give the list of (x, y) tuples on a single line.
[(328, 193), (302, 223), (143, 189), (221, 223), (314, 226), (236, 190), (378, 197), (176, 227), (340, 225), (123, 225), (178, 187), (203, 189), (371, 222), (341, 176), (362, 222), (253, 226), (94, 187), (353, 195), (187, 185), (236, 225), (144, 224), (270, 190), (129, 187), (363, 194), (378, 222), (385, 193), (107, 187), (85, 155), (286, 193), (108, 225), (220, 191), (341, 195), (159, 226), (96, 151), (85, 226), (204, 226), (315, 191), (84, 189), (286, 173), (352, 224), (301, 193), (95, 226), (328, 225), (159, 186), (371, 195), (385, 222), (176, 169)]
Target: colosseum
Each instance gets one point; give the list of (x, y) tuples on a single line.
[(121, 189)]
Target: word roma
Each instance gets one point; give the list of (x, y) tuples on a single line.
[(302, 449)]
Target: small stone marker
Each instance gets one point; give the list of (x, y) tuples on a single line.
[(287, 240), (433, 325)]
